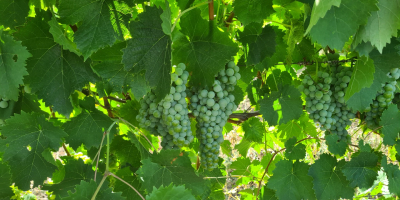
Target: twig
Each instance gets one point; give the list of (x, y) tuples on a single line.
[(108, 107), (127, 185), (98, 156), (66, 150), (99, 186), (211, 10)]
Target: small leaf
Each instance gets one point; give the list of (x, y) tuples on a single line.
[(243, 147), (240, 166), (253, 130), (267, 194), (226, 147), (170, 192), (335, 147), (362, 170)]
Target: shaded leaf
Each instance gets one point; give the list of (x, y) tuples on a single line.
[(362, 170), (253, 130), (170, 192)]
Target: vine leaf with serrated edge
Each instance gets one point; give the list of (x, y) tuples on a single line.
[(362, 76), (362, 170), (170, 192), (14, 13), (253, 130), (252, 11), (85, 190), (393, 175), (390, 124), (335, 146), (127, 175), (294, 151)]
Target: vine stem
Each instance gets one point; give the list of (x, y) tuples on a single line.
[(127, 185), (185, 11), (211, 10), (100, 184)]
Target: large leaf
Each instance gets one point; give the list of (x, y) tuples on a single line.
[(290, 181), (13, 12), (85, 190), (5, 181), (362, 170), (252, 11), (393, 175), (261, 42), (390, 124), (75, 172), (362, 76), (335, 28), (381, 25), (319, 10), (204, 48), (289, 107), (54, 73), (12, 66), (127, 175), (169, 167), (33, 131), (253, 130), (97, 29), (150, 50), (329, 181), (170, 192)]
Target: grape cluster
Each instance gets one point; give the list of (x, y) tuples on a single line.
[(169, 118), (4, 103), (325, 101), (212, 107), (383, 99)]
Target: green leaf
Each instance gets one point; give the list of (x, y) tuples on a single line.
[(252, 11), (88, 128), (364, 147), (362, 77), (13, 12), (144, 153), (267, 194), (115, 78), (240, 166), (162, 170), (253, 130), (381, 25), (335, 147), (128, 111), (5, 181), (393, 175), (290, 129), (85, 190), (113, 53), (126, 151), (383, 64), (293, 151), (279, 54), (127, 175), (335, 28), (329, 181), (390, 124), (261, 42), (170, 192), (319, 11), (166, 19), (59, 36), (97, 29), (149, 42), (243, 147), (203, 48), (12, 66), (75, 172), (362, 170), (63, 71), (23, 130), (226, 147), (290, 181), (139, 86), (290, 105)]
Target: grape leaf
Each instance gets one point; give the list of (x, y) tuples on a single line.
[(261, 42), (253, 130), (166, 19), (126, 151), (293, 151), (362, 77), (252, 11), (127, 175), (129, 111), (290, 129), (13, 12), (290, 181), (290, 102), (226, 147), (139, 86), (383, 64), (243, 147), (170, 192), (23, 130), (12, 66), (335, 147), (54, 73), (329, 181), (335, 28), (364, 147), (144, 153), (393, 175), (240, 166), (150, 50), (75, 172), (279, 54), (381, 25), (319, 10), (362, 170), (267, 194), (115, 78), (364, 48), (88, 127), (58, 33), (5, 181), (203, 48), (96, 31), (162, 170), (85, 190), (111, 54), (390, 124)]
